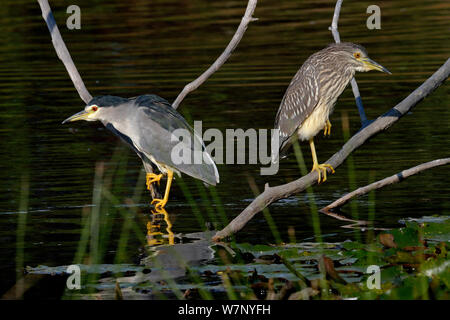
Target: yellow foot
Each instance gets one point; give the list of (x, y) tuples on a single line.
[(159, 203), (151, 178), (327, 129), (322, 171)]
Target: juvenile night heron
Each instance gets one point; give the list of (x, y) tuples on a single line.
[(148, 124), (310, 98)]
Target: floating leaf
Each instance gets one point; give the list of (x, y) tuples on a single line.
[(387, 240)]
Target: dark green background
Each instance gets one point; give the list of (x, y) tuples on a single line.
[(129, 48)]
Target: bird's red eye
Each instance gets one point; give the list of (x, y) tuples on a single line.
[(357, 55), (94, 108)]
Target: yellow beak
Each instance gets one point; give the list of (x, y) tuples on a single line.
[(375, 65), (82, 115)]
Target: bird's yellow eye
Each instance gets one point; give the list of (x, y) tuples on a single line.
[(357, 55), (94, 108)]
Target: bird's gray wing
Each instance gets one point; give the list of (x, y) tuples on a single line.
[(298, 103), (157, 122)]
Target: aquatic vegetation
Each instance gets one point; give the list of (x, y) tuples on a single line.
[(413, 263)]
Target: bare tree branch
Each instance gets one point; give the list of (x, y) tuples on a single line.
[(64, 55), (62, 52), (334, 23), (246, 19), (272, 194), (399, 177), (355, 89)]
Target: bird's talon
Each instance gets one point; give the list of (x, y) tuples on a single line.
[(322, 171), (326, 165), (152, 178), (159, 203)]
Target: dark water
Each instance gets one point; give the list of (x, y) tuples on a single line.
[(128, 48)]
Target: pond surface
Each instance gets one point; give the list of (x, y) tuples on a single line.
[(49, 212)]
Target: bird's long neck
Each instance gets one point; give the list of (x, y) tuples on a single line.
[(117, 116)]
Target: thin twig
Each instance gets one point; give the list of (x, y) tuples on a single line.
[(246, 19), (399, 177), (272, 194), (62, 52), (355, 89), (343, 218)]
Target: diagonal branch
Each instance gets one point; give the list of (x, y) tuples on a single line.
[(62, 52), (246, 19), (399, 177), (334, 30), (272, 194)]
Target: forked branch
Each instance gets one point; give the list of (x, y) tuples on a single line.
[(65, 57)]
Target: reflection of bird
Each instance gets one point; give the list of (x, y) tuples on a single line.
[(154, 130), (312, 94), (155, 235)]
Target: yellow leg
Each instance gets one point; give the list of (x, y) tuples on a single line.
[(320, 168), (160, 203), (327, 129), (151, 178)]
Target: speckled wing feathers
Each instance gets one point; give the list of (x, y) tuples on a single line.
[(298, 103)]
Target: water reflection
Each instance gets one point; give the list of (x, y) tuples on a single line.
[(157, 232), (169, 259), (158, 48)]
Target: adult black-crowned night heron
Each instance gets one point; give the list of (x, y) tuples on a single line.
[(148, 124), (310, 98)]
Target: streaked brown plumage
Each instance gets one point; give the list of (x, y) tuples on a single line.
[(310, 98)]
